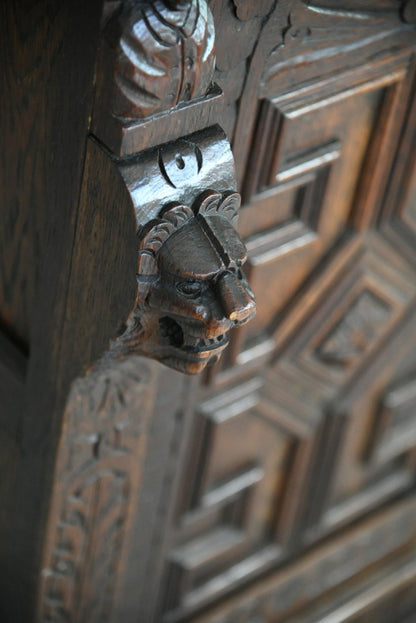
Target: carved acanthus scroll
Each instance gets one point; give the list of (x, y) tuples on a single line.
[(158, 54)]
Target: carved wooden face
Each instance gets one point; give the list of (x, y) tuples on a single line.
[(192, 290)]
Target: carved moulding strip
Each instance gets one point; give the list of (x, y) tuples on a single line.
[(154, 74), (96, 487)]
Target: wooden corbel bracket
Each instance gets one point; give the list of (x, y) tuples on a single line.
[(191, 289), (156, 63)]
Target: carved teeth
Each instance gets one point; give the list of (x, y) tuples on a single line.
[(207, 342)]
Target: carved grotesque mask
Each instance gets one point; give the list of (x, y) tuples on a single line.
[(191, 290)]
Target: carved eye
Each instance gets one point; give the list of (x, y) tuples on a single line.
[(191, 288)]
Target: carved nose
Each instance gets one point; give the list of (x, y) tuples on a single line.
[(238, 304)]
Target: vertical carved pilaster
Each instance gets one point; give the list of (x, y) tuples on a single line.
[(96, 485)]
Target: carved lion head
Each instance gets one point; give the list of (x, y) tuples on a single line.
[(191, 287)]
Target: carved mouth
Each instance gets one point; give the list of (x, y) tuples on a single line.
[(208, 344), (172, 331)]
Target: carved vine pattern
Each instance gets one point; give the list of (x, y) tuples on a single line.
[(97, 476)]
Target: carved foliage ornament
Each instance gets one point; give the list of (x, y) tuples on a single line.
[(191, 288), (161, 54)]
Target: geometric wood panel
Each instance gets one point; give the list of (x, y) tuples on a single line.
[(373, 438), (325, 363), (306, 181), (365, 300), (304, 591), (264, 453), (394, 422), (240, 497)]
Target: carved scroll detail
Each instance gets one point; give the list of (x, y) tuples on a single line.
[(98, 473), (161, 54)]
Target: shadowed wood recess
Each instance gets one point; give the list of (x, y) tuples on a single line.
[(276, 484)]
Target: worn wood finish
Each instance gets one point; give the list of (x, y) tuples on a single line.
[(276, 487)]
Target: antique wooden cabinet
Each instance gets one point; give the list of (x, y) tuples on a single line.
[(277, 484)]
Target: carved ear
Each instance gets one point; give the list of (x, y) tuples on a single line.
[(211, 203), (147, 274), (177, 214), (151, 236), (230, 205), (154, 234)]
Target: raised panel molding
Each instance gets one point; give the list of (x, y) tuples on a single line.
[(353, 335), (370, 437), (302, 195), (292, 591), (240, 509), (264, 453), (394, 431)]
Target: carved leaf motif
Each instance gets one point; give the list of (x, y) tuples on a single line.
[(163, 57), (313, 24)]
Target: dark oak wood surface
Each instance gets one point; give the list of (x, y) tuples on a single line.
[(278, 486), (48, 54)]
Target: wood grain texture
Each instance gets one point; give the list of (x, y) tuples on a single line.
[(47, 60)]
